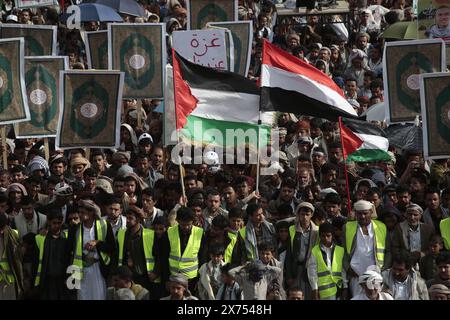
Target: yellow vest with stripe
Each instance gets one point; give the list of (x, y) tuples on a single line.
[(230, 247), (40, 242), (5, 270), (444, 226), (101, 228), (188, 262), (292, 233), (328, 280), (252, 254), (148, 237), (379, 229)]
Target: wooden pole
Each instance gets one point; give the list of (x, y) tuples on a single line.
[(5, 152), (46, 149), (139, 113), (349, 201)]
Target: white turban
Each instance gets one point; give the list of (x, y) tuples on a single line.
[(371, 275), (362, 205)]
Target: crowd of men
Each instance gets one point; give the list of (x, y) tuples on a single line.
[(118, 224)]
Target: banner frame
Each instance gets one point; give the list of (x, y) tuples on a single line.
[(62, 75), (31, 26)]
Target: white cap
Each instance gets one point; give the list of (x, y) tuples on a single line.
[(12, 17), (211, 158), (145, 135)]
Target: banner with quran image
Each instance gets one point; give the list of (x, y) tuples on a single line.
[(42, 83), (242, 33), (40, 40), (90, 104), (96, 43), (200, 12), (23, 4), (435, 103), (13, 97), (139, 50), (403, 62)]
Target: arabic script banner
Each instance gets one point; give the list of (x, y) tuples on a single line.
[(203, 47)]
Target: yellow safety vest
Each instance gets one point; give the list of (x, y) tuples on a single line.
[(251, 255), (292, 233), (5, 270), (101, 227), (379, 229), (329, 280), (188, 262), (40, 242), (230, 247), (444, 226), (148, 237)]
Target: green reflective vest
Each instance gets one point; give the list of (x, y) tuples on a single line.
[(328, 280), (444, 226), (5, 271), (101, 228), (380, 232), (230, 247), (148, 237), (292, 233), (40, 242), (251, 254), (188, 262)]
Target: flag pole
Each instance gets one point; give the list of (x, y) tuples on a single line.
[(258, 154), (344, 155), (180, 167)]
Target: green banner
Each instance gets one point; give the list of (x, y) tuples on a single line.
[(403, 63), (96, 43), (42, 82), (139, 51), (200, 12), (13, 101), (39, 40), (91, 106), (436, 115), (242, 33)]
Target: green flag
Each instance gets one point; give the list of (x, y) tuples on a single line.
[(200, 12), (40, 40), (242, 33), (91, 106), (139, 50), (404, 61), (435, 98), (96, 43), (42, 82), (13, 98)]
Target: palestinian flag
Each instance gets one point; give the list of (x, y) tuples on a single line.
[(209, 101), (289, 84), (363, 141)]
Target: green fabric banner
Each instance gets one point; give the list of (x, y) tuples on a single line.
[(436, 115), (96, 43), (200, 12), (91, 106), (139, 51), (13, 100), (42, 82), (39, 40), (403, 63)]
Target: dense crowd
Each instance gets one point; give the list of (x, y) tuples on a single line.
[(119, 224)]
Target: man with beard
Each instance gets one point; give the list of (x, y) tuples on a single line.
[(144, 171), (328, 175), (136, 250), (287, 195), (185, 246)]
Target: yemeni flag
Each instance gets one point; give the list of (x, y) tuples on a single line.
[(363, 141), (208, 101), (289, 84)]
